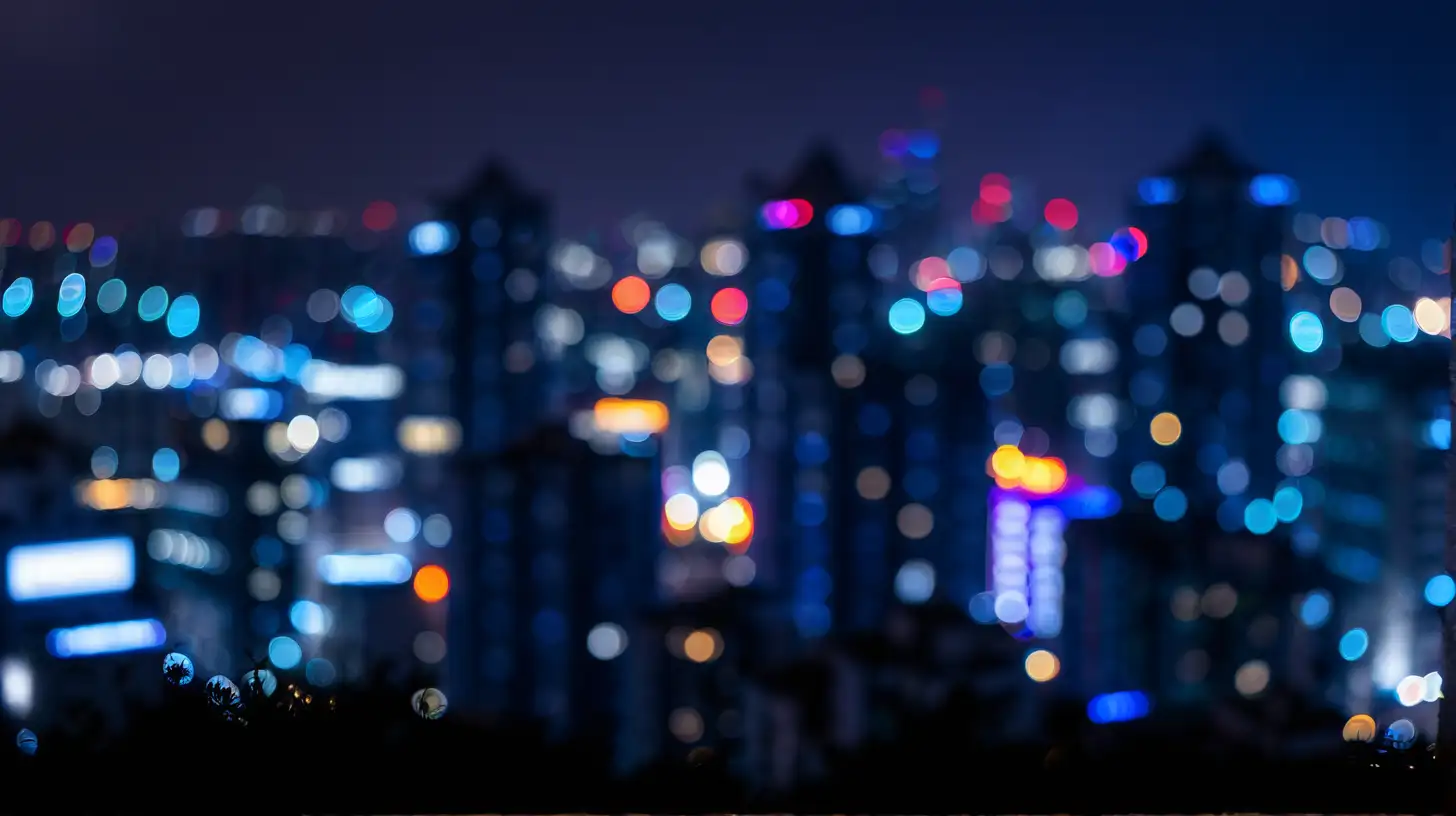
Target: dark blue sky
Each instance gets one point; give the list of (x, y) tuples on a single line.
[(138, 108)]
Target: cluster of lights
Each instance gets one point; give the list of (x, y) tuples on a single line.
[(786, 215), (1014, 470)]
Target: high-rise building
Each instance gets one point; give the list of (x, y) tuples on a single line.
[(563, 570), (1381, 425), (1210, 343)]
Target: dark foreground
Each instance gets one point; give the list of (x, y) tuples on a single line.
[(281, 754), (196, 778)]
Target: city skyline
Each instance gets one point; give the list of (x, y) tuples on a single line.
[(842, 407)]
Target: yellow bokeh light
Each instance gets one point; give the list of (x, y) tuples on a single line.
[(736, 516), (1044, 475), (711, 527), (215, 434), (630, 416), (1042, 665), (1360, 728), (737, 372), (1008, 463), (1430, 317), (1166, 428), (702, 646), (681, 512), (724, 350)]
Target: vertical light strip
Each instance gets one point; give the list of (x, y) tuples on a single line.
[(1010, 558), (1048, 552)]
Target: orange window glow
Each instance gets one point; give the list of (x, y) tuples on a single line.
[(432, 584)]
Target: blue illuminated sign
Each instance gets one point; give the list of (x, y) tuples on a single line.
[(1118, 706), (106, 638), (66, 569)]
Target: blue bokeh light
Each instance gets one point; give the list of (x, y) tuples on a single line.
[(432, 238), (1118, 706), (1288, 503), (284, 652), (18, 297), (1171, 504), (906, 316), (1440, 590), (1148, 478), (673, 302), (1158, 191), (1306, 332), (166, 464), (945, 301), (1399, 323), (1259, 516), (1314, 611), (183, 317), (111, 296), (153, 304), (72, 296), (851, 219), (1438, 434), (1271, 190), (1353, 644)]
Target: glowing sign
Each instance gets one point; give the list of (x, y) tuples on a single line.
[(624, 416), (1048, 553), (250, 403), (365, 569), (362, 475), (1027, 552), (1118, 706), (67, 569), (428, 436), (106, 638), (328, 381), (1010, 559), (1013, 469)]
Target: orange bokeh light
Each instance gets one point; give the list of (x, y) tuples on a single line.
[(432, 583), (740, 512), (631, 294), (1014, 470), (614, 415), (1008, 463)]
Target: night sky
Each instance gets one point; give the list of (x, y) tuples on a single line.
[(142, 108)]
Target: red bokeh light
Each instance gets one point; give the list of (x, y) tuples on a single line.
[(996, 189), (631, 294), (1061, 214), (729, 306), (930, 270), (984, 212), (793, 214), (1142, 241), (1105, 260), (379, 216), (10, 230)]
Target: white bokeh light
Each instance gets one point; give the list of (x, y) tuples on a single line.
[(710, 474), (402, 525), (606, 641)]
